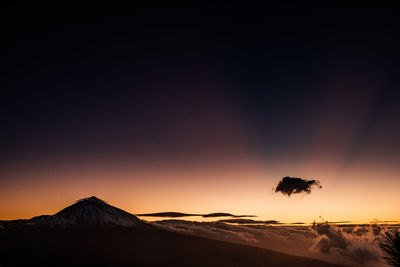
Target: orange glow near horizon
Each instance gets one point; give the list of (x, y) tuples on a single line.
[(237, 189)]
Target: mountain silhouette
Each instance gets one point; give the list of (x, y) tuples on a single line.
[(94, 233), (89, 211)]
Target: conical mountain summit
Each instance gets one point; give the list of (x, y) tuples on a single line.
[(89, 211)]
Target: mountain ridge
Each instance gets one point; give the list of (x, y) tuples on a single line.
[(88, 211), (122, 241)]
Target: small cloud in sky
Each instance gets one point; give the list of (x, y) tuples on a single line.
[(167, 214), (170, 214), (294, 185), (223, 214)]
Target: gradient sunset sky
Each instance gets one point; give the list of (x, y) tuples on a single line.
[(201, 110)]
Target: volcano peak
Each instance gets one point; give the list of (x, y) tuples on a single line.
[(91, 199), (90, 211)]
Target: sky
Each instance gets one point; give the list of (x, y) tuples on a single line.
[(201, 110)]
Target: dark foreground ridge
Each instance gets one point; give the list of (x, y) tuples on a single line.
[(23, 243)]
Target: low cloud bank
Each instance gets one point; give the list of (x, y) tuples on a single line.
[(351, 245), (266, 236), (249, 221), (358, 244)]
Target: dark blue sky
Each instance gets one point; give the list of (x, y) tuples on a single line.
[(165, 82)]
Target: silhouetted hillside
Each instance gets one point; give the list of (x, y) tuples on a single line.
[(130, 246), (90, 241)]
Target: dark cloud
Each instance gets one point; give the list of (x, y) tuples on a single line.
[(168, 214), (180, 214), (249, 221), (295, 185), (222, 214)]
